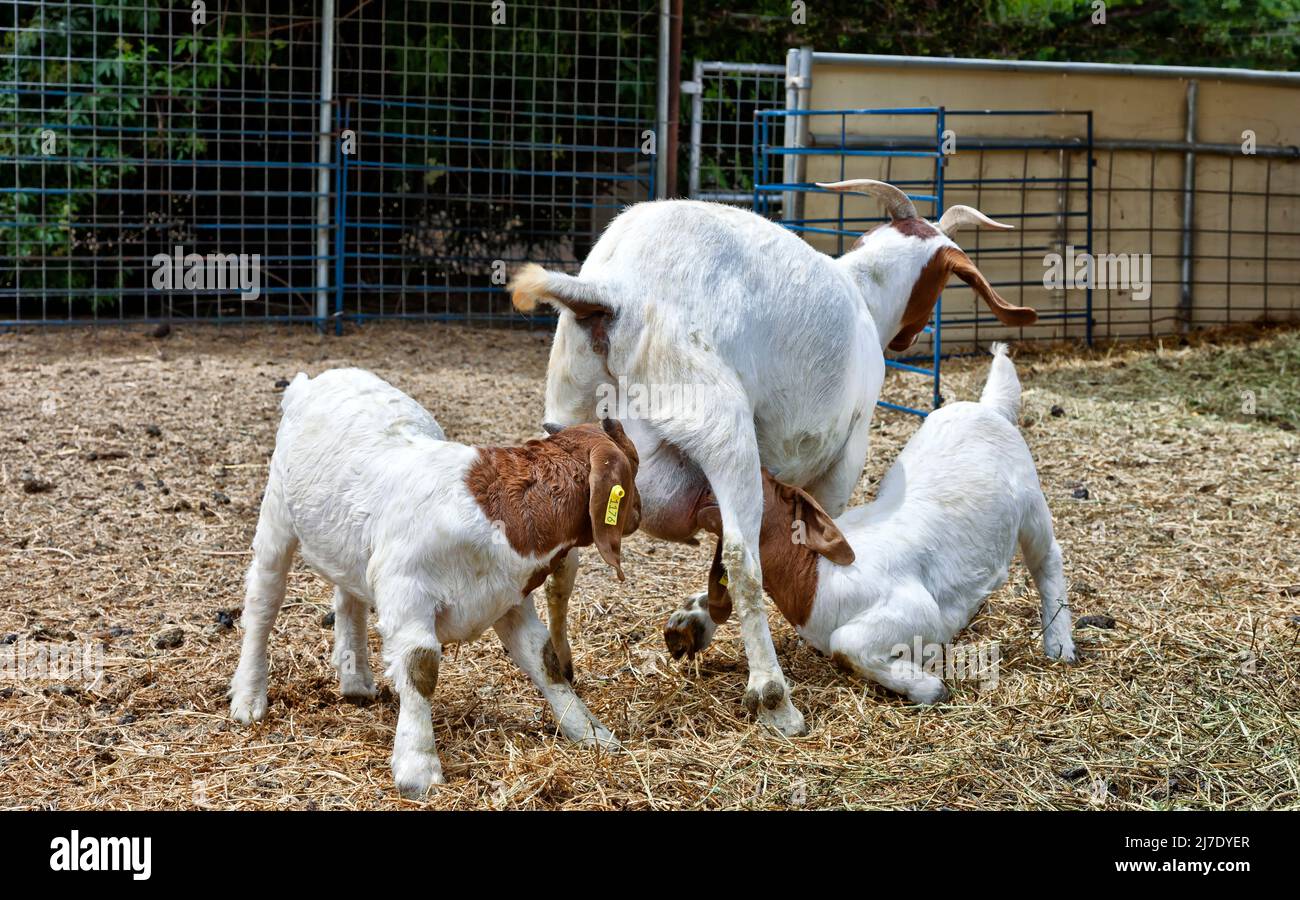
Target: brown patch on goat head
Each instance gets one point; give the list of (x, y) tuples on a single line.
[(911, 227), (554, 493), (944, 263), (914, 227), (920, 303)]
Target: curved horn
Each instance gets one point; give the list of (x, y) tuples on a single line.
[(896, 202), (954, 217)]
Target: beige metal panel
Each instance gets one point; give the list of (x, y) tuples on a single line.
[(1138, 195)]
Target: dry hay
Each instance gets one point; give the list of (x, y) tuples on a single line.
[(1188, 538)]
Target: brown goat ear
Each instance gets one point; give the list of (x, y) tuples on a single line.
[(820, 531), (920, 303), (719, 598), (610, 504), (945, 262), (964, 268), (614, 428)]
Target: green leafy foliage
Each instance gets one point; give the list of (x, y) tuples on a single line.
[(85, 81), (1262, 34)]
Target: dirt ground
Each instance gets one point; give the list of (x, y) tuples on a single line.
[(131, 472)]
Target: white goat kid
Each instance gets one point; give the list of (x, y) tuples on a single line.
[(786, 344), (442, 539), (937, 540)]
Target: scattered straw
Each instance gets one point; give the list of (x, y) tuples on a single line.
[(1188, 538)]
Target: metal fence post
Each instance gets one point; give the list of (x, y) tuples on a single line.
[(323, 161), (1189, 192), (696, 90), (340, 226), (791, 131), (1088, 164), (936, 343), (661, 118), (798, 88)]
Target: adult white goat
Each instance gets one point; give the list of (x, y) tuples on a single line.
[(788, 344)]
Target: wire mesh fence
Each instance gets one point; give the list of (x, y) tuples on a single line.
[(1244, 238), (160, 162), (725, 97), (480, 146), (134, 136)]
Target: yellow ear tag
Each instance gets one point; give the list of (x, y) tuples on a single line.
[(722, 580), (611, 508)]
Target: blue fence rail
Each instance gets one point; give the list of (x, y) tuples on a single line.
[(930, 147), (130, 133)]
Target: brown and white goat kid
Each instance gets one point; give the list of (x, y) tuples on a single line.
[(787, 342), (912, 568), (443, 540)]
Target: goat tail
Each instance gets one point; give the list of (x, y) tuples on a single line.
[(1002, 389), (294, 391), (533, 284)]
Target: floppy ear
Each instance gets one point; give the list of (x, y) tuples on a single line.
[(961, 265), (614, 428), (920, 303), (820, 531), (719, 599), (609, 504)]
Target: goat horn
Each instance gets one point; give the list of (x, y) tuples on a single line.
[(954, 217), (896, 202)]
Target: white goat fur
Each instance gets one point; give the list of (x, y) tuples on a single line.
[(788, 342), (364, 482), (937, 540)]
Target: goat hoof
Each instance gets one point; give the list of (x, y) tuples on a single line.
[(358, 690), (773, 694), (601, 737), (415, 772), (929, 694), (1064, 652), (683, 639), (785, 719), (248, 709)]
